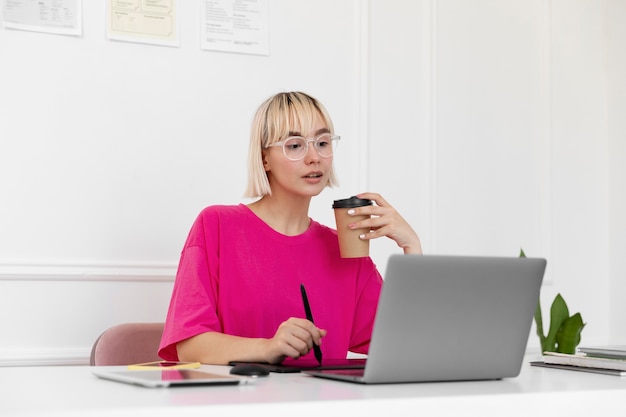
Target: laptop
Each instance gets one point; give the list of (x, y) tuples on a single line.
[(450, 318)]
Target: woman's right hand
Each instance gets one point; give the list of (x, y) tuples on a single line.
[(293, 338)]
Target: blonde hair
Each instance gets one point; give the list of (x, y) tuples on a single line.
[(273, 121)]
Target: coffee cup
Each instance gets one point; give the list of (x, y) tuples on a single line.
[(350, 244)]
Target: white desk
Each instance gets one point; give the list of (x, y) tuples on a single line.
[(74, 391)]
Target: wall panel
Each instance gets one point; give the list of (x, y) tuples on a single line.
[(491, 135)]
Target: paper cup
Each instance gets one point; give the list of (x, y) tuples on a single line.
[(350, 245)]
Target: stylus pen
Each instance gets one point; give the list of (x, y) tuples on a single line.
[(309, 316)]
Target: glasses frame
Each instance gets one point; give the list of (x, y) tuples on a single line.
[(333, 138)]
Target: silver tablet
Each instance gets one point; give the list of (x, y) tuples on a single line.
[(169, 377)]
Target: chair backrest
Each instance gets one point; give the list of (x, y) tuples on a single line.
[(126, 344)]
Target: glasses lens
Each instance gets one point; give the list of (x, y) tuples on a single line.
[(324, 145), (295, 148)]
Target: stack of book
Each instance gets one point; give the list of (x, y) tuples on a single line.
[(610, 361)]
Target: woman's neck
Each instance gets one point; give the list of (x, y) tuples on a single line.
[(289, 216)]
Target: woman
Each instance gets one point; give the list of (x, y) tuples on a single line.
[(237, 290)]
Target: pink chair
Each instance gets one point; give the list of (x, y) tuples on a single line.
[(126, 344)]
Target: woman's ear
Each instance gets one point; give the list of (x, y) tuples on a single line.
[(266, 165)]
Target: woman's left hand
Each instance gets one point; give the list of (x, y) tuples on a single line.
[(386, 221)]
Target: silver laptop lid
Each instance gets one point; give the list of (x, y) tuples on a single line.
[(451, 318)]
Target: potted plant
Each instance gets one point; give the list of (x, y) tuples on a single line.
[(564, 332)]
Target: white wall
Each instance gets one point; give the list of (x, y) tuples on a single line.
[(579, 173), (490, 125), (615, 55), (508, 125)]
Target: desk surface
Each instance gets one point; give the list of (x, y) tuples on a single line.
[(73, 390)]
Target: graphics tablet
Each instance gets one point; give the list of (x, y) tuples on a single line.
[(168, 377), (309, 365)]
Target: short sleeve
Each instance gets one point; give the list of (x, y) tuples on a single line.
[(365, 309), (192, 307)]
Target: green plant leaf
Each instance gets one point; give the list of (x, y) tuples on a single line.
[(538, 316), (558, 314), (568, 336), (564, 333), (539, 325)]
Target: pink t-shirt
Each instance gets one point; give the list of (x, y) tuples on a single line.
[(239, 276)]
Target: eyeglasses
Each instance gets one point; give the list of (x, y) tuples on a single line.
[(296, 147)]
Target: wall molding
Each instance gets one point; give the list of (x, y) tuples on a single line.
[(44, 357), (429, 21), (90, 272), (545, 149), (362, 88)]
